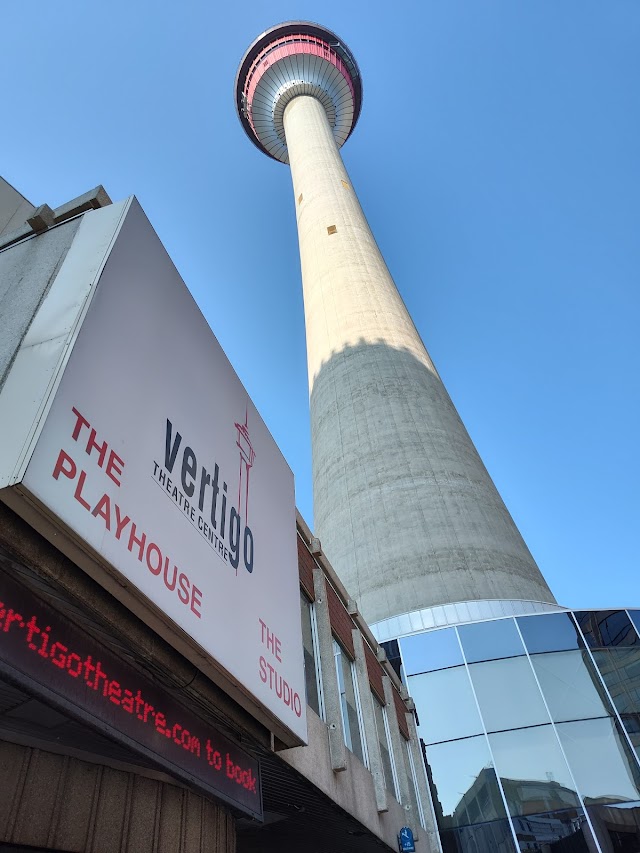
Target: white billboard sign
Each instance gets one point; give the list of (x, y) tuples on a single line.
[(153, 455)]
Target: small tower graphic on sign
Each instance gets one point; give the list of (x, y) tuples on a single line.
[(247, 456)]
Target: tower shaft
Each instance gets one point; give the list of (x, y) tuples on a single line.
[(403, 504)]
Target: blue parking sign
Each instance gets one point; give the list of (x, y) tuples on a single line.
[(405, 840)]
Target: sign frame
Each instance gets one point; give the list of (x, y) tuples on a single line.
[(66, 306)]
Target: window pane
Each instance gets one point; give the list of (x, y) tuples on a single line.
[(310, 671), (429, 651), (540, 832), (533, 771), (495, 837), (553, 632), (631, 723), (620, 669), (463, 782), (604, 628), (570, 685), (392, 650), (349, 708), (602, 764), (385, 750), (350, 723), (490, 640), (617, 827), (417, 815), (635, 618), (445, 703), (508, 694)]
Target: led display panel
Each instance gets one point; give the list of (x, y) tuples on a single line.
[(47, 654)]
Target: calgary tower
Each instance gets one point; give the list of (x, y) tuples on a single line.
[(529, 732), (403, 505)]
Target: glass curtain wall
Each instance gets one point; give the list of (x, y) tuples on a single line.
[(531, 728)]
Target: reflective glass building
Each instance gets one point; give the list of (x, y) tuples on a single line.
[(531, 730)]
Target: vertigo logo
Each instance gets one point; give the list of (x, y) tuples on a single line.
[(202, 494), (247, 457)]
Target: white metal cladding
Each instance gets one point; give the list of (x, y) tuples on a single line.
[(446, 615), (301, 74)]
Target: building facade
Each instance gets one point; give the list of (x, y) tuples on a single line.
[(116, 732)]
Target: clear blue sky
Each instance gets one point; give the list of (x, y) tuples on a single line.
[(497, 158)]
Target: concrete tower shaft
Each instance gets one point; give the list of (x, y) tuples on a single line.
[(404, 506)]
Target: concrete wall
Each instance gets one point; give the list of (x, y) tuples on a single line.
[(353, 789), (26, 272), (404, 507), (58, 802), (14, 208)]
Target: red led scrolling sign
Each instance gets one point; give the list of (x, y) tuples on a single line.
[(44, 651)]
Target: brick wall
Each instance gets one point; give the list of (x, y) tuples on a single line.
[(342, 625), (306, 564)]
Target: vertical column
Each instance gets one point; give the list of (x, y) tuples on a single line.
[(333, 714)]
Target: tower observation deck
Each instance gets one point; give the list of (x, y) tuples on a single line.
[(403, 504)]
